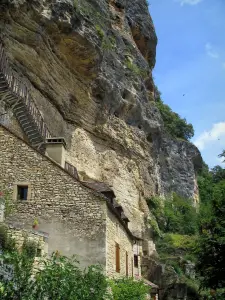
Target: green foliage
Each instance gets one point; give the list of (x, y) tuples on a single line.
[(21, 285), (6, 240), (60, 278), (107, 43), (127, 289), (174, 214), (180, 216), (222, 155), (211, 244), (219, 294), (218, 174), (5, 199), (29, 248), (177, 222), (100, 32), (155, 227), (173, 244), (134, 68), (174, 124)]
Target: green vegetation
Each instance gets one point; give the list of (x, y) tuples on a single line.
[(183, 234), (211, 244), (127, 288), (61, 278), (6, 201), (6, 241), (174, 124), (134, 68), (174, 225), (174, 214)]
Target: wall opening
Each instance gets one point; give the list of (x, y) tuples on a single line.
[(135, 261), (22, 192), (126, 263), (117, 258)]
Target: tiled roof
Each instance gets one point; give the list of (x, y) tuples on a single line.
[(98, 186)]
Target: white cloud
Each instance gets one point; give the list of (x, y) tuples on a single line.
[(210, 51), (189, 2), (215, 134)]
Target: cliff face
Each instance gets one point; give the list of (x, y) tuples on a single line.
[(89, 63)]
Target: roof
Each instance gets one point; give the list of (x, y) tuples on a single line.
[(102, 187), (98, 186)]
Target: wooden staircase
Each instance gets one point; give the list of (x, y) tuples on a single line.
[(14, 92)]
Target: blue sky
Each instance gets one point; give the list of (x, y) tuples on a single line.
[(191, 61)]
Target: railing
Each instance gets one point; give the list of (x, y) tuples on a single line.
[(71, 169), (20, 88)]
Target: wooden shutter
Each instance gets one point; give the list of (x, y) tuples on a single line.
[(132, 267), (117, 258), (127, 263)]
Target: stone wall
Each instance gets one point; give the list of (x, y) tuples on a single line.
[(20, 235), (115, 233), (73, 215)]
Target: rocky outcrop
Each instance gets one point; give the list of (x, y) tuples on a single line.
[(89, 64)]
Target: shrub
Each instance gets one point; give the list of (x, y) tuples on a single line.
[(60, 276), (174, 124), (174, 214), (128, 288), (29, 248), (6, 241)]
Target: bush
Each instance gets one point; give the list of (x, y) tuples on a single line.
[(174, 243), (6, 241), (60, 276), (174, 124), (29, 248), (174, 214), (128, 288)]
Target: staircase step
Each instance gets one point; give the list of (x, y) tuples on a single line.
[(20, 108)]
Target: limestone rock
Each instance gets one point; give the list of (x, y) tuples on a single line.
[(89, 65)]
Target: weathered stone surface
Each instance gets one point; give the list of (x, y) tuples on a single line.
[(90, 66), (77, 219)]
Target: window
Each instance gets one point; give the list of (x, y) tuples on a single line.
[(22, 192), (38, 252), (126, 263), (117, 258), (135, 261)]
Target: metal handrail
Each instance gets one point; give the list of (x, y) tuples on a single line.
[(22, 91)]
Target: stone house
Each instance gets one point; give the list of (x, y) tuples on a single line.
[(81, 218)]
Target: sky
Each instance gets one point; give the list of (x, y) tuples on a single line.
[(190, 67)]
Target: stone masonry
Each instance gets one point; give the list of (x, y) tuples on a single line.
[(78, 220), (115, 233)]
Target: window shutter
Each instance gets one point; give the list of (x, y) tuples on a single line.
[(127, 263), (132, 267), (117, 258)]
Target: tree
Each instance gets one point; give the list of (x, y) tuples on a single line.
[(222, 154), (218, 174), (211, 245), (174, 124)]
